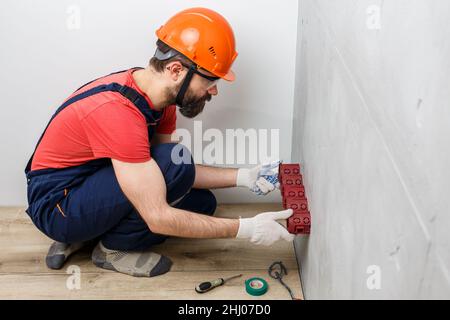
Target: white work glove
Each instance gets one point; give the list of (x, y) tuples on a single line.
[(264, 229), (261, 179)]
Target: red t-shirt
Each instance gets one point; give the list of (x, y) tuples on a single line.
[(104, 125)]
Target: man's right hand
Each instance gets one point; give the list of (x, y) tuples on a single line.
[(264, 229)]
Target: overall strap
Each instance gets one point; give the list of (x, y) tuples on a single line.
[(85, 85), (132, 95)]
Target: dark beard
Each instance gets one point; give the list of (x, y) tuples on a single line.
[(192, 106)]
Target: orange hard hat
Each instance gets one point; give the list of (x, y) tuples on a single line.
[(203, 36)]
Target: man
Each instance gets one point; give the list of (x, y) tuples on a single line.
[(104, 168)]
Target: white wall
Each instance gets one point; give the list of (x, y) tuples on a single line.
[(43, 61), (371, 126)]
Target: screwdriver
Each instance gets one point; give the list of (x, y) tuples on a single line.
[(209, 285)]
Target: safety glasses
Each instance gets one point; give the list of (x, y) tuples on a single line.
[(212, 81)]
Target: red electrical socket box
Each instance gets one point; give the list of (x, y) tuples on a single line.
[(293, 192), (297, 205), (291, 181), (288, 173), (289, 169), (294, 197), (299, 223), (297, 192)]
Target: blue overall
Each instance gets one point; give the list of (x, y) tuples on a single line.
[(85, 202)]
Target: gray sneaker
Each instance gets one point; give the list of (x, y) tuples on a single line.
[(137, 264), (59, 252)]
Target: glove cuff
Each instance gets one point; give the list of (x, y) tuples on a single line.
[(246, 226), (243, 177)]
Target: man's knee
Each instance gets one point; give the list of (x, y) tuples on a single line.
[(182, 159), (210, 202), (200, 201), (177, 166)]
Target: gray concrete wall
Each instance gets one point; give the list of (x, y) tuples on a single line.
[(372, 129)]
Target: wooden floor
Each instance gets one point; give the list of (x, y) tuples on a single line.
[(24, 275)]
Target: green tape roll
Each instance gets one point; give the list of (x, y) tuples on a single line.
[(256, 286)]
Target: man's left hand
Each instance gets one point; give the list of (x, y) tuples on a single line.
[(261, 179)]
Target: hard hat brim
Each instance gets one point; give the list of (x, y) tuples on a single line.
[(230, 76)]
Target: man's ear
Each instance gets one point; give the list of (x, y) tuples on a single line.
[(174, 69)]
